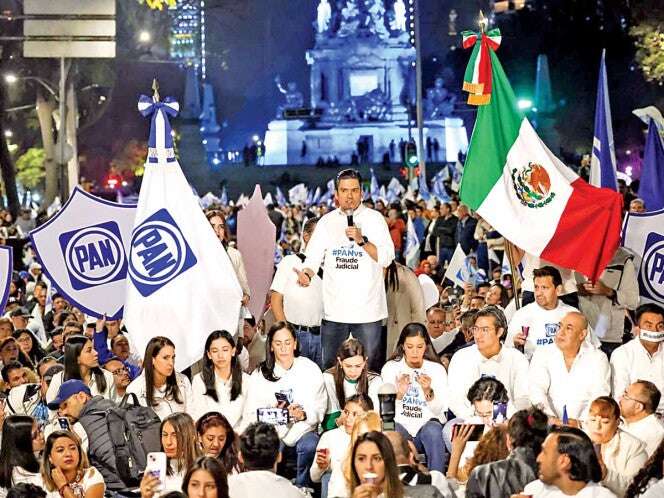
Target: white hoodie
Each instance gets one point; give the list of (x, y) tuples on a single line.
[(302, 383)]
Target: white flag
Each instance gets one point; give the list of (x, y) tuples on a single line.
[(412, 250), (182, 284), (455, 268)]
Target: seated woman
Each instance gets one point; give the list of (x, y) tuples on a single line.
[(222, 385), (374, 470), (649, 481), (621, 455), (348, 377), (66, 471), (206, 478), (159, 386), (287, 381), (333, 446), (218, 440), (178, 441), (491, 447), (22, 439), (422, 394)]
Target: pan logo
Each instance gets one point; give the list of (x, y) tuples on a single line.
[(651, 275), (158, 253), (94, 255)]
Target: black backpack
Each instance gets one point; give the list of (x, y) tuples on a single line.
[(134, 432)]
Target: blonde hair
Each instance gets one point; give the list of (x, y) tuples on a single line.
[(367, 422), (47, 467)]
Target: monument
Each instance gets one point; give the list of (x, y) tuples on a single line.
[(362, 92)]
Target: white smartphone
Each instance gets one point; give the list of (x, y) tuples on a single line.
[(156, 465)]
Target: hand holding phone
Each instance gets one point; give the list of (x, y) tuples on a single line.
[(156, 466)]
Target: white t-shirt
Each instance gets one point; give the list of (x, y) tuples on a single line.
[(648, 430), (544, 325), (531, 263), (537, 489), (261, 483), (350, 389), (337, 441), (164, 406), (202, 403), (92, 477), (413, 410), (353, 287), (302, 305)]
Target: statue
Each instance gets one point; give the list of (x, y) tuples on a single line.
[(451, 24), (350, 19), (439, 102), (294, 98), (399, 15), (376, 18), (324, 15)]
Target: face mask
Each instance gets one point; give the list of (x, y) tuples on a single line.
[(651, 335)]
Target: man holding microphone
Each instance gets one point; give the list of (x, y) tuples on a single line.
[(354, 245)]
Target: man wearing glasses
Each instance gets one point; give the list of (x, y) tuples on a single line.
[(488, 358), (354, 246), (637, 408)]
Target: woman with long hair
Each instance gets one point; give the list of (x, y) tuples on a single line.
[(218, 222), (366, 422), (206, 478), (66, 471), (492, 447), (348, 377), (649, 481), (405, 301), (218, 440), (288, 381), (374, 469), (22, 440), (422, 394), (81, 362), (179, 443), (221, 386), (159, 386), (29, 344)]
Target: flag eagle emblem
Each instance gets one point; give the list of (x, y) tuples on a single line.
[(532, 185)]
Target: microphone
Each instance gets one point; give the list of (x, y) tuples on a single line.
[(387, 398), (349, 217)]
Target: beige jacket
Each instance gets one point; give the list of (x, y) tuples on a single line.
[(404, 305)]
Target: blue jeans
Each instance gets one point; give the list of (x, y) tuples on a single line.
[(429, 440), (371, 335), (445, 256), (305, 452), (309, 345), (325, 484)]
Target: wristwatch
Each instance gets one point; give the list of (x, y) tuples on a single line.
[(364, 241)]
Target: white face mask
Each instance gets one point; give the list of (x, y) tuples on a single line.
[(651, 335)]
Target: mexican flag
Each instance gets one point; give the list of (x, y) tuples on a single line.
[(528, 195)]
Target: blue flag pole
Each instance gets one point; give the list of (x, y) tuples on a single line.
[(652, 173), (603, 159)]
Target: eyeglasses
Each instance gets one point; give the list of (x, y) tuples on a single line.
[(626, 396), (482, 330), (120, 371)]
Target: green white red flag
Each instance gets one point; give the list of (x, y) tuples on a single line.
[(528, 195)]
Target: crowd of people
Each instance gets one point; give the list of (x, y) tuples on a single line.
[(354, 382)]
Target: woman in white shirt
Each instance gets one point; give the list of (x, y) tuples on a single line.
[(179, 443), (221, 386), (374, 471), (422, 394), (82, 362), (218, 222), (159, 386), (66, 471), (285, 380), (350, 376), (333, 448), (21, 441), (621, 455)]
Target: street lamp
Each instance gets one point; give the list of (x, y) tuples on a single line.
[(11, 79), (9, 134), (144, 36), (525, 104)]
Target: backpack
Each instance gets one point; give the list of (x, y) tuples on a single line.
[(134, 432)]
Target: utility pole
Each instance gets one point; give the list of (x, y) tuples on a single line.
[(418, 85)]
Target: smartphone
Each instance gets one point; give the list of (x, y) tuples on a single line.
[(156, 465), (476, 433), (282, 400), (272, 416), (63, 423), (499, 412)]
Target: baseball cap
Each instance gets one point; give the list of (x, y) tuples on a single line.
[(20, 312), (67, 390)]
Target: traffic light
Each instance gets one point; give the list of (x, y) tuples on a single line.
[(410, 156)]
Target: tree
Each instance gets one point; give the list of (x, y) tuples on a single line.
[(30, 167), (650, 49)]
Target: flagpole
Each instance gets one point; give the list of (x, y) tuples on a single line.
[(421, 154), (516, 279)]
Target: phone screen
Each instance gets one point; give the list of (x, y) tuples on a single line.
[(273, 416)]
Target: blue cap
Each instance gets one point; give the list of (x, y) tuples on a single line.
[(67, 390)]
